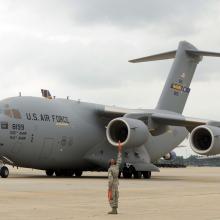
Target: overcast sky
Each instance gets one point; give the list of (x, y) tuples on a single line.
[(80, 48)]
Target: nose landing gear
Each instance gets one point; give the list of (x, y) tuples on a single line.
[(4, 172)]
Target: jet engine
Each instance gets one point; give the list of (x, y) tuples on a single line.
[(130, 132), (205, 140), (170, 156)]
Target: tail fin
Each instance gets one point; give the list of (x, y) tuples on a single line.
[(176, 89)]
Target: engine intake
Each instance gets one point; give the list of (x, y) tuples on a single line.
[(130, 132), (205, 140), (170, 156)]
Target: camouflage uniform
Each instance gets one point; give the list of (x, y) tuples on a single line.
[(113, 182)]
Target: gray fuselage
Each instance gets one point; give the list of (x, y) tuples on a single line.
[(64, 134)]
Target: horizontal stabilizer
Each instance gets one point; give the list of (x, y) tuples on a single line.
[(172, 54), (161, 56), (202, 53)]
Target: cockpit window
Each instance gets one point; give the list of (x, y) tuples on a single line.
[(16, 113), (13, 113), (8, 112)]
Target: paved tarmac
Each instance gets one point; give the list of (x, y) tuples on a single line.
[(174, 193)]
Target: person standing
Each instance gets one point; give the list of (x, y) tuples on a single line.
[(113, 173)]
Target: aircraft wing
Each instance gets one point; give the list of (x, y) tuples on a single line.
[(114, 111), (155, 119)]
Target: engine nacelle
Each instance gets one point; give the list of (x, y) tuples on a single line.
[(205, 140), (170, 156), (130, 132)]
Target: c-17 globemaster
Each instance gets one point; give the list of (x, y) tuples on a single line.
[(68, 137)]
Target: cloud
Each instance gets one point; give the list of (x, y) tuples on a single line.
[(80, 48), (135, 13)]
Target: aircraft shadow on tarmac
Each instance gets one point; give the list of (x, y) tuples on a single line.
[(29, 176), (154, 178)]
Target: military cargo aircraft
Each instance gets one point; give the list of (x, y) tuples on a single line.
[(68, 137)]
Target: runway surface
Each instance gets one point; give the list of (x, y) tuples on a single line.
[(181, 193)]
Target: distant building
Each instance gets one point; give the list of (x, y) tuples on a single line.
[(201, 161), (193, 160)]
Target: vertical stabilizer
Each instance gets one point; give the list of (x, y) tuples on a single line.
[(176, 88)]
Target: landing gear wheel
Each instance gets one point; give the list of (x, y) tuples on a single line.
[(68, 173), (58, 173), (146, 174), (137, 174), (78, 173), (49, 172), (4, 172), (127, 172)]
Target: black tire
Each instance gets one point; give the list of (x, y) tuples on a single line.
[(146, 174), (78, 173), (49, 172), (4, 172), (58, 173), (68, 173), (64, 173), (127, 172), (137, 174)]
